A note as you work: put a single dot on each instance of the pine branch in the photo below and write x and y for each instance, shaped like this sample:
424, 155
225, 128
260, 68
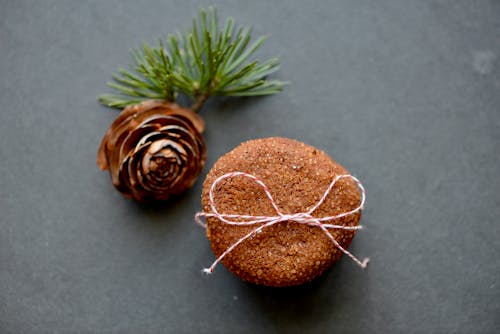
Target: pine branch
201, 62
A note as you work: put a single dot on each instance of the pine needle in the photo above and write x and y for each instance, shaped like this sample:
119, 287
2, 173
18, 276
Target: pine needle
201, 62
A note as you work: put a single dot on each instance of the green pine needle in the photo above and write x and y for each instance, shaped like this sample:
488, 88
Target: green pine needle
202, 62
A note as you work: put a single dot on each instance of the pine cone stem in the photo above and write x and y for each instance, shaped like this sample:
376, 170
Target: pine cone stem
198, 102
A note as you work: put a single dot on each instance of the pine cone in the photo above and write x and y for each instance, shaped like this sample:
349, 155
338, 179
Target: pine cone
153, 150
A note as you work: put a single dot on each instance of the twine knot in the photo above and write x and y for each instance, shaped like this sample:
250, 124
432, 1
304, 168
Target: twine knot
300, 217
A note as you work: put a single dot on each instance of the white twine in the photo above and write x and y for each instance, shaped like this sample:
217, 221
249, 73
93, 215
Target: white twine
301, 217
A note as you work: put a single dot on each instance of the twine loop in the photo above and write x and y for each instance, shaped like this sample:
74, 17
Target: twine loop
266, 221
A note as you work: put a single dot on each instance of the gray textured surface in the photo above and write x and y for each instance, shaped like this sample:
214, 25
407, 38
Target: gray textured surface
404, 94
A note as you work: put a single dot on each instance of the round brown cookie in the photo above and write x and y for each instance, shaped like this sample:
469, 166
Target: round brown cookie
297, 176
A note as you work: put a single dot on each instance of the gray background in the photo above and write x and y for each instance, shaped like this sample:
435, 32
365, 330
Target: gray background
405, 94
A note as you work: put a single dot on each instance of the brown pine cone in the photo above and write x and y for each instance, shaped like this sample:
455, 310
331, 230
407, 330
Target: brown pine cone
153, 150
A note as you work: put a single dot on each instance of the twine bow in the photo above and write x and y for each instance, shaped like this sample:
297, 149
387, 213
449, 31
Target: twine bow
301, 217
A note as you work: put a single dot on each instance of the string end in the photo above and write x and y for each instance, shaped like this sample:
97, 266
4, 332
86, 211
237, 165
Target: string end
207, 271
198, 220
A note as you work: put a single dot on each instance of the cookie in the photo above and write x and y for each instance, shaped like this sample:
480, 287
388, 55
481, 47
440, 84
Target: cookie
296, 175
